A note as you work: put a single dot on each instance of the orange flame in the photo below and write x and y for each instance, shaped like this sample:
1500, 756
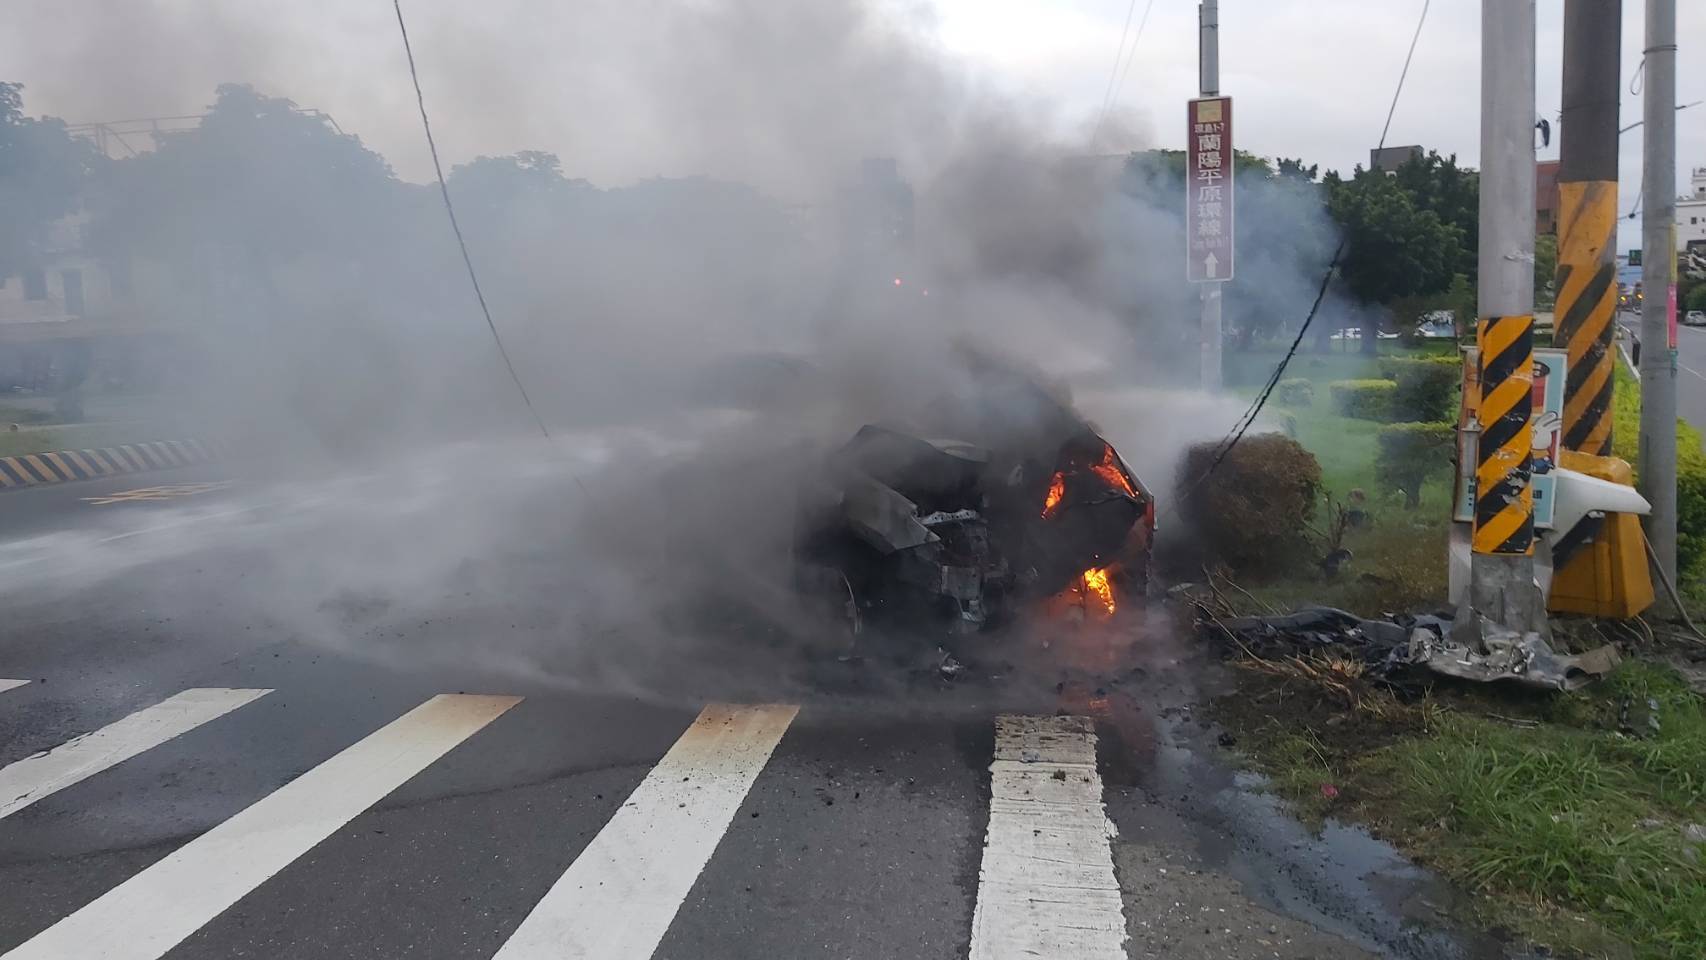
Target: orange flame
1110, 472
1096, 584
1056, 492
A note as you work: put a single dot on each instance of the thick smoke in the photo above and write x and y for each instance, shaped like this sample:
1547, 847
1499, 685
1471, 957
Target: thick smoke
845, 219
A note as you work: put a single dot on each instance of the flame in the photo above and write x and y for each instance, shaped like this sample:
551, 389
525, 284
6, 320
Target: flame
1096, 584
1110, 472
1056, 492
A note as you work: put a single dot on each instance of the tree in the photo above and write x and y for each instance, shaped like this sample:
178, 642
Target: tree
1453, 193
1293, 169
43, 171
258, 183
1393, 249
1696, 299
1545, 270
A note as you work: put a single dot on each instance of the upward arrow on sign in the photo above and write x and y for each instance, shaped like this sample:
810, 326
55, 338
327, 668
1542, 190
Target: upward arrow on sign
1211, 263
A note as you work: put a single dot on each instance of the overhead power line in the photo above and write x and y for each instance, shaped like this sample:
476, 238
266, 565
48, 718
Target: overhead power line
1131, 54
1116, 79
450, 210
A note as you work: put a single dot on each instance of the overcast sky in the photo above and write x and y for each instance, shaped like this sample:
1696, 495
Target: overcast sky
594, 80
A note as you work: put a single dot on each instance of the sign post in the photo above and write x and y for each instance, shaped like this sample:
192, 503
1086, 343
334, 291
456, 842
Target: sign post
1208, 190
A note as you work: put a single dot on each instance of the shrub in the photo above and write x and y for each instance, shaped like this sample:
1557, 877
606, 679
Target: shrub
1428, 388
1411, 453
1690, 503
1364, 399
1296, 392
1253, 512
1690, 474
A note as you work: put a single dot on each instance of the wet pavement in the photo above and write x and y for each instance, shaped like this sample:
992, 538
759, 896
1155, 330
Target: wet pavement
865, 832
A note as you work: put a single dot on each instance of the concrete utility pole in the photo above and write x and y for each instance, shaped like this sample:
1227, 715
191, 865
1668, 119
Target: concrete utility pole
1208, 70
1587, 219
1657, 467
1502, 587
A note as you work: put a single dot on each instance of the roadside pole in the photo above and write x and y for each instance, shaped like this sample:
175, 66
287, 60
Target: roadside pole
1502, 588
1657, 467
1586, 281
1208, 69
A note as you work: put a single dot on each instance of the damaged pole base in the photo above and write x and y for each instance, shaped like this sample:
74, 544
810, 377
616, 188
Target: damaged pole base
1502, 599
1501, 631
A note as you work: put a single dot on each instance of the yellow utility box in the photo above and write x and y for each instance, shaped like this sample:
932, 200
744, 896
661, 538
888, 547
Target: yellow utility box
1607, 577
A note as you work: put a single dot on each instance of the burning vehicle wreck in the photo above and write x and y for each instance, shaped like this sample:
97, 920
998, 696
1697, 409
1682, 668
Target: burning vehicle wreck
899, 527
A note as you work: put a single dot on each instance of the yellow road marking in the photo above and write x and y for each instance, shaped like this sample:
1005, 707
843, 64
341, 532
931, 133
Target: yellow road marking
165, 491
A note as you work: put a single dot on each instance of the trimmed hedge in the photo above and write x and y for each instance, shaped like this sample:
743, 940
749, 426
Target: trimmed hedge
1429, 388
1296, 392
1254, 511
1364, 399
1411, 453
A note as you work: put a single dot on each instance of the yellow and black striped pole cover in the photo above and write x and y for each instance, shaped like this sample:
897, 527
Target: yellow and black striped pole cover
1587, 301
1504, 505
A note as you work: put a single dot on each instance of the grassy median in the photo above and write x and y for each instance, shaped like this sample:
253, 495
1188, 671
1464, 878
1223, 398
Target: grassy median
1580, 818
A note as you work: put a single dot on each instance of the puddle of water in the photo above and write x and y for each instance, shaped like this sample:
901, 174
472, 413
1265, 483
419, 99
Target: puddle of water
1341, 880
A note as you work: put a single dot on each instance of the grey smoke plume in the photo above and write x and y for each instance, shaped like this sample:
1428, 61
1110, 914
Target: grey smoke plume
686, 337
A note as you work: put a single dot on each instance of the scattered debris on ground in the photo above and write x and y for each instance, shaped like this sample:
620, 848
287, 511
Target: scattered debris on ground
1391, 649
1571, 808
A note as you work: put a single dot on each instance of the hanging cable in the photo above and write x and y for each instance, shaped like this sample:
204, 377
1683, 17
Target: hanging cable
444, 191
1113, 75
1254, 410
1131, 54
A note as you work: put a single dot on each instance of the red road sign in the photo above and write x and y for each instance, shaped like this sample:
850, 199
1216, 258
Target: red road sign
1208, 190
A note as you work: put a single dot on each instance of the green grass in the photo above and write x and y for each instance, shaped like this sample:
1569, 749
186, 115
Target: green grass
1571, 818
1251, 368
72, 437
1402, 550
1583, 817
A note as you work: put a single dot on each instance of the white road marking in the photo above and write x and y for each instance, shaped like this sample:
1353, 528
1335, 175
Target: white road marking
618, 898
153, 911
1046, 888
6, 685
32, 778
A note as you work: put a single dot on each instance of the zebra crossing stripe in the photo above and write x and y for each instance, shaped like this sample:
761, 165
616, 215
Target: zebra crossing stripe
147, 915
1046, 887
618, 898
32, 778
6, 685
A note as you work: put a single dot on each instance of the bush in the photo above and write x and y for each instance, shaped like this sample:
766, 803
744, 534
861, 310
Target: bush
1253, 512
1690, 503
1429, 388
1412, 453
1690, 474
1364, 399
1296, 392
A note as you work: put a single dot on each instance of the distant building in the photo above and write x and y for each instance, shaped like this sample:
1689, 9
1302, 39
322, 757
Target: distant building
1546, 197
1691, 213
62, 284
1389, 159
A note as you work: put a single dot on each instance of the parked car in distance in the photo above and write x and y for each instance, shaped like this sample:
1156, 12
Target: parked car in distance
1694, 318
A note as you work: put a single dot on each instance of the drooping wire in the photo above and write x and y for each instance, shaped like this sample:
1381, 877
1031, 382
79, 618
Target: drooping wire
450, 211
1113, 95
1113, 74
1254, 410
1404, 73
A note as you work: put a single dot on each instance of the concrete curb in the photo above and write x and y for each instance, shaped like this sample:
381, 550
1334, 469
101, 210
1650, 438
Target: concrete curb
61, 466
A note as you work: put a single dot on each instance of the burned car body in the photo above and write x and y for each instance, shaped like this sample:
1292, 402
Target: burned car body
965, 531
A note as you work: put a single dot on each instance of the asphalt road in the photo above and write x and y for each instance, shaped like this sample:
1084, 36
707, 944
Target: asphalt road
1690, 368
366, 717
